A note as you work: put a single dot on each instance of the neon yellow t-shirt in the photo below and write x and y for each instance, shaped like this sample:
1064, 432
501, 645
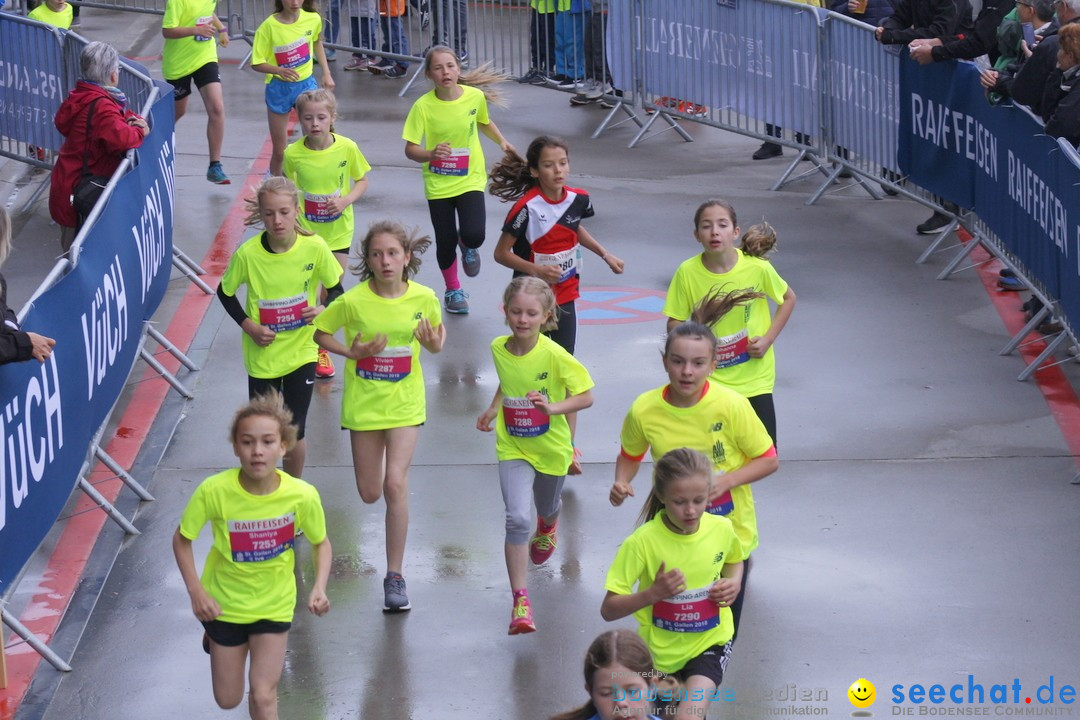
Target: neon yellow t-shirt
432, 121
288, 46
734, 366
279, 287
183, 56
321, 175
61, 19
545, 7
385, 391
680, 628
722, 425
249, 570
523, 432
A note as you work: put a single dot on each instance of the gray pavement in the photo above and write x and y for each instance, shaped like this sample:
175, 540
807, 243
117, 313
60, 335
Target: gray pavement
921, 526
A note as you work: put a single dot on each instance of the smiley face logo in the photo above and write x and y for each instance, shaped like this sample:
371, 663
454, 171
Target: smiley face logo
862, 693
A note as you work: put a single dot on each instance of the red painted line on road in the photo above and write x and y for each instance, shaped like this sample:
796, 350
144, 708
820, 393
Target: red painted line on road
68, 560
1055, 387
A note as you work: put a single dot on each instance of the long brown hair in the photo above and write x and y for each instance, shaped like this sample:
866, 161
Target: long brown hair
511, 177
675, 465
485, 78
309, 5
707, 313
622, 647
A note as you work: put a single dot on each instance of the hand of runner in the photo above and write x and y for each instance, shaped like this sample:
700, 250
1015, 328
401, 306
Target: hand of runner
287, 74
668, 582
549, 273
318, 604
614, 263
261, 334
758, 346
204, 605
483, 423
361, 349
724, 591
619, 492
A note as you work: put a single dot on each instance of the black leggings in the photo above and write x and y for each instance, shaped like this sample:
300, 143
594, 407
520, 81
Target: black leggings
457, 218
295, 389
736, 607
766, 412
566, 334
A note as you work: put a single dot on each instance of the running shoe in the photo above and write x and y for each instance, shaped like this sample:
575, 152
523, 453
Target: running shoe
455, 302
542, 544
470, 261
521, 617
216, 174
394, 598
570, 83
395, 72
325, 368
357, 63
583, 99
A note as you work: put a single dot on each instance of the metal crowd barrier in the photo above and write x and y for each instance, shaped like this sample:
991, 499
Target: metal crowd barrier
107, 291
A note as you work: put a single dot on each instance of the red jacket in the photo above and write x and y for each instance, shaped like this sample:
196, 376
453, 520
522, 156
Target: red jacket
110, 137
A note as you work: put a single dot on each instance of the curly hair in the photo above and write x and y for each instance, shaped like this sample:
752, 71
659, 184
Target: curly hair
271, 405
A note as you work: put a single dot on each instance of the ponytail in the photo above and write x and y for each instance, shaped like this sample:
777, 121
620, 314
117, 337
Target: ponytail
709, 310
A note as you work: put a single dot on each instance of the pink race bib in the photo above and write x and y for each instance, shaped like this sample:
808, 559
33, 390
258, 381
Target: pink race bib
523, 419
317, 208
732, 349
293, 55
690, 611
259, 540
283, 314
722, 505
456, 164
393, 365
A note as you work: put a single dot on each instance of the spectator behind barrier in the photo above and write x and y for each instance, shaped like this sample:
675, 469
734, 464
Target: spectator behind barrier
981, 41
1013, 51
113, 130
873, 12
1031, 81
16, 345
1061, 111
914, 19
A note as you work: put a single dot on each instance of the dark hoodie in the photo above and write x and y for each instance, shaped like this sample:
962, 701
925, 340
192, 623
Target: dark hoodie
110, 137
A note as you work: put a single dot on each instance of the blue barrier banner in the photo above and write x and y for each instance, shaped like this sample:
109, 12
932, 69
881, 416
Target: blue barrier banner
863, 80
96, 314
998, 161
32, 82
756, 58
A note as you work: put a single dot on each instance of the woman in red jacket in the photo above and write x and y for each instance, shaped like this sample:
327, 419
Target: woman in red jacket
113, 130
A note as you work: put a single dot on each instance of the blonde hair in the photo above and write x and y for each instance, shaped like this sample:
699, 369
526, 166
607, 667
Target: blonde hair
484, 78
534, 286
675, 465
318, 95
279, 186
411, 242
271, 405
758, 240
